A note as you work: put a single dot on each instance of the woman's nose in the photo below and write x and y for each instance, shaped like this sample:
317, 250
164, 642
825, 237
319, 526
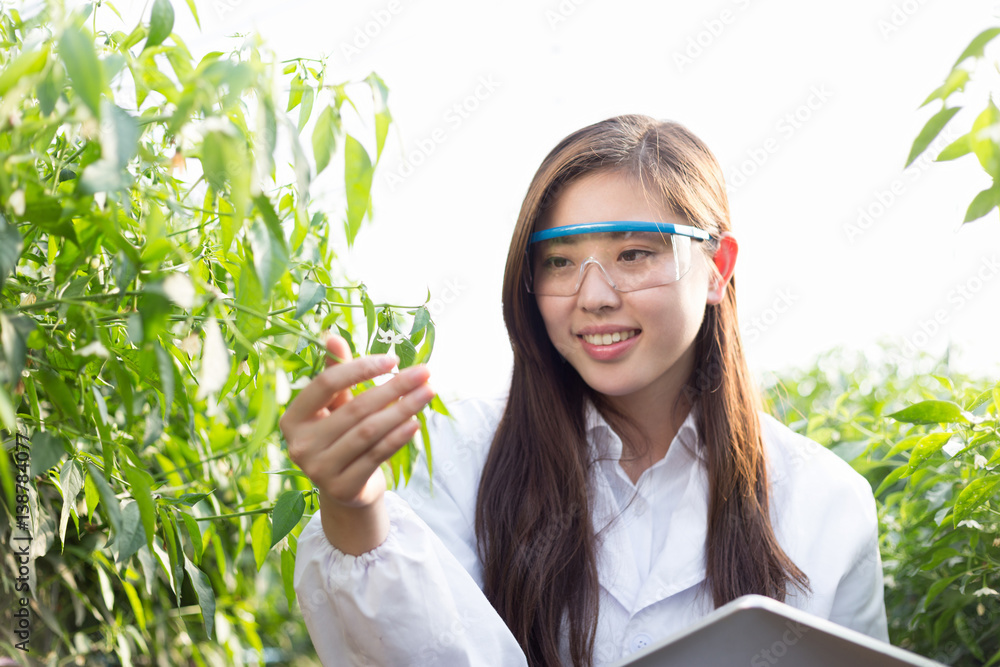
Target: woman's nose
596, 291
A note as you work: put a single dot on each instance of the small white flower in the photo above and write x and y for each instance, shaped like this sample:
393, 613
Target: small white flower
95, 348
971, 523
180, 290
954, 446
17, 201
191, 344
244, 430
985, 590
979, 461
390, 338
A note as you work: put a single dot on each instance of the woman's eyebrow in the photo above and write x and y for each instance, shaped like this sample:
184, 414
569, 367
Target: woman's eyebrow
576, 238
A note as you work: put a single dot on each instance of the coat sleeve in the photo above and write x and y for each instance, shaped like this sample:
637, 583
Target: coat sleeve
414, 599
859, 602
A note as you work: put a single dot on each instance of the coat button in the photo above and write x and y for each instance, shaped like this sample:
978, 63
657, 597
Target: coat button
641, 641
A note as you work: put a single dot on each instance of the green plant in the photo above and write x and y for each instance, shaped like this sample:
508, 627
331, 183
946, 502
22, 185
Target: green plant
982, 139
164, 276
930, 447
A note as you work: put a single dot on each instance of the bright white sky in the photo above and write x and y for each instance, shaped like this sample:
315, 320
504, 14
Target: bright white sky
805, 283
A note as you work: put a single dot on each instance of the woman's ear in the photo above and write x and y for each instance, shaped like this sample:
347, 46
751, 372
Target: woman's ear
725, 263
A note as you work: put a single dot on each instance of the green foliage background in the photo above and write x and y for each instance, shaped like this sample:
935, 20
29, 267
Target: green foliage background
163, 276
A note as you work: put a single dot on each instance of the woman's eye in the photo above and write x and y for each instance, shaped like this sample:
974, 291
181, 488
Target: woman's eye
555, 263
634, 255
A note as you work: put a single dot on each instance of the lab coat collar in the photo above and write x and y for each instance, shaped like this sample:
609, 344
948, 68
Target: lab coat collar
606, 444
681, 564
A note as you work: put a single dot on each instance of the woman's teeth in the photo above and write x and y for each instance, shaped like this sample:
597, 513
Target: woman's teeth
608, 339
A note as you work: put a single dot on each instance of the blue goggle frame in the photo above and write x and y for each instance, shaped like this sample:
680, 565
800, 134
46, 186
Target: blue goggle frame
621, 226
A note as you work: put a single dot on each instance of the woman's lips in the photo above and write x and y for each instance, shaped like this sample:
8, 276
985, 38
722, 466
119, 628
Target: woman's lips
615, 349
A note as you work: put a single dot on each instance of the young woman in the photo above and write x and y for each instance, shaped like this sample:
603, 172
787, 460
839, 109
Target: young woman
626, 486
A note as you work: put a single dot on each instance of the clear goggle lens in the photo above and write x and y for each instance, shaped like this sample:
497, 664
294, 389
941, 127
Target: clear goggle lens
629, 255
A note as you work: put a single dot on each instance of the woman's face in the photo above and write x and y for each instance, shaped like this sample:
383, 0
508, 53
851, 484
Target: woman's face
658, 358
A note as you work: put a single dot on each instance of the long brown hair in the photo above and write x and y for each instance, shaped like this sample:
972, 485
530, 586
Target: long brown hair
533, 513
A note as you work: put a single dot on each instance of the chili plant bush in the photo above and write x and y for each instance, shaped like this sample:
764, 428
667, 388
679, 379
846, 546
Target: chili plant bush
164, 276
929, 445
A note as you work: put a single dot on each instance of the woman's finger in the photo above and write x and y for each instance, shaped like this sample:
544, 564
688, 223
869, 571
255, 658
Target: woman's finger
360, 440
325, 386
338, 352
345, 434
357, 474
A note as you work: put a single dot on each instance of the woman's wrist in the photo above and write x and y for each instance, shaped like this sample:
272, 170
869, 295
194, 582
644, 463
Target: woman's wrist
354, 530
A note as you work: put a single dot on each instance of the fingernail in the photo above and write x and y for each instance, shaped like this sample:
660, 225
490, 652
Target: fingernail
389, 361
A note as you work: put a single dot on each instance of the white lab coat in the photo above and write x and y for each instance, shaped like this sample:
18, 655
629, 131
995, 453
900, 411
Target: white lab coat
416, 599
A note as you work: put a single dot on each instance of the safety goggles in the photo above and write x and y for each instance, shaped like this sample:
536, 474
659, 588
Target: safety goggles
630, 255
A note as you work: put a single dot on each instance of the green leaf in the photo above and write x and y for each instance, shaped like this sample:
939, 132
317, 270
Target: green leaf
983, 138
14, 332
420, 320
249, 295
358, 175
978, 45
161, 23
175, 554
216, 155
288, 576
70, 483
197, 21
206, 595
165, 366
931, 412
369, 308
215, 365
266, 419
406, 353
260, 535
270, 218
141, 483
193, 531
47, 450
26, 64
286, 514
8, 418
928, 445
91, 495
935, 589
380, 97
119, 135
930, 130
270, 260
111, 507
133, 534
324, 137
983, 203
956, 81
305, 110
425, 437
424, 354
295, 93
310, 294
438, 406
956, 149
76, 50
902, 446
11, 245
975, 494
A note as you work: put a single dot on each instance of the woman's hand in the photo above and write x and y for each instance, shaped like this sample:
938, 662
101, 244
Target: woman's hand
340, 440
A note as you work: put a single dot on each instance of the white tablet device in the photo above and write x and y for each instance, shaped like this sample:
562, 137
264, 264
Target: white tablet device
757, 631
